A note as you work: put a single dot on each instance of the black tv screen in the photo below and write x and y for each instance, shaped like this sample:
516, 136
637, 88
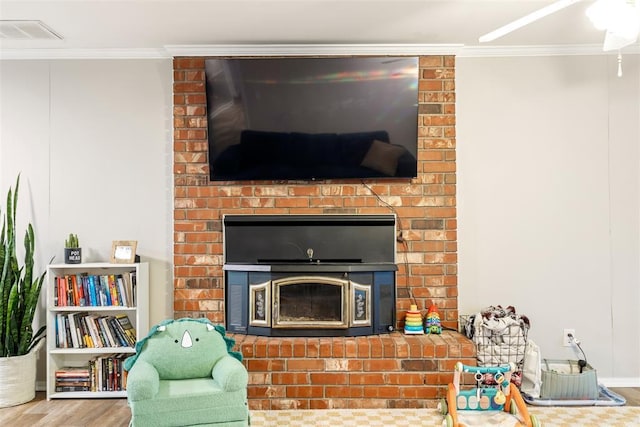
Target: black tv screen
312, 118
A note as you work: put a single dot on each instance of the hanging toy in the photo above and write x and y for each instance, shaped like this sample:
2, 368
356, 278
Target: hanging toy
499, 399
413, 321
432, 322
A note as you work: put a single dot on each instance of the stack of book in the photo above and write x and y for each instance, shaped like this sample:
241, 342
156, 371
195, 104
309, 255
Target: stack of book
73, 379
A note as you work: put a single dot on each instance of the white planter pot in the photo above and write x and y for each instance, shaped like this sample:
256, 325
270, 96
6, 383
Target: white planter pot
18, 378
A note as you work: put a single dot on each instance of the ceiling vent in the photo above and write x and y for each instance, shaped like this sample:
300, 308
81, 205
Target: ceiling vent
26, 30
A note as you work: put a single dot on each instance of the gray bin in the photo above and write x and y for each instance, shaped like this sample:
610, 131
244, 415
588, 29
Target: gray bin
562, 379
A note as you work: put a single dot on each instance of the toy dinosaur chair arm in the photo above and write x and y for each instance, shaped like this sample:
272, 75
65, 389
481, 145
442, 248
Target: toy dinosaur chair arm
230, 374
143, 382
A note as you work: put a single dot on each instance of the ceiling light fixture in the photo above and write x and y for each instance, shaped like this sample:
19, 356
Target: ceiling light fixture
620, 19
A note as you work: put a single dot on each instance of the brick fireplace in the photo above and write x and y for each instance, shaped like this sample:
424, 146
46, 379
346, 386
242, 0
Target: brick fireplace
366, 371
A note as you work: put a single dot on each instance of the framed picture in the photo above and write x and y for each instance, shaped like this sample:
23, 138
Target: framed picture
123, 251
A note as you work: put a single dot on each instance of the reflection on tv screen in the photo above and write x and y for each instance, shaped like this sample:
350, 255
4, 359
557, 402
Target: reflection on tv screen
312, 118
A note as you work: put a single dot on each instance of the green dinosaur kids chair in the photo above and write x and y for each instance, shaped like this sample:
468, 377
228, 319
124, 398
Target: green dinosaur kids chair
184, 373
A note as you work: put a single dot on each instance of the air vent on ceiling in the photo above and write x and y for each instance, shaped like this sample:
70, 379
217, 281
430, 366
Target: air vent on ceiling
26, 30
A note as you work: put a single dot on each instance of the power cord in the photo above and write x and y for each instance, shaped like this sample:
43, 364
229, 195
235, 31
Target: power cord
582, 362
400, 237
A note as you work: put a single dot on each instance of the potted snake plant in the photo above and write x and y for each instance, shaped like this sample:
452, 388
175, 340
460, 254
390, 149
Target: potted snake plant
19, 295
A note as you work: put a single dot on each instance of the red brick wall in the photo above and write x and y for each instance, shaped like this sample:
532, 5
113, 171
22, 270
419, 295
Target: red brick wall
379, 371
426, 206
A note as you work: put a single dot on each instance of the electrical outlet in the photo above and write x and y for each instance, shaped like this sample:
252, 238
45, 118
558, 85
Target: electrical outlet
566, 341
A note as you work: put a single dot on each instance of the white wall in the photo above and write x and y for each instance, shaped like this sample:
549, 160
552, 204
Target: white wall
548, 200
93, 143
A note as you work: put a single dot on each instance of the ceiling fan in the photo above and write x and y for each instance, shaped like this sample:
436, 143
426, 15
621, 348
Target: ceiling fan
620, 19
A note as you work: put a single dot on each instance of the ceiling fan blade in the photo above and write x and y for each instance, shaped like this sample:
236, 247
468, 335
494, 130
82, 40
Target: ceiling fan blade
616, 41
526, 20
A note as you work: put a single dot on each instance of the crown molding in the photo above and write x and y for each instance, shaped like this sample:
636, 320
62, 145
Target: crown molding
63, 53
312, 49
542, 50
170, 51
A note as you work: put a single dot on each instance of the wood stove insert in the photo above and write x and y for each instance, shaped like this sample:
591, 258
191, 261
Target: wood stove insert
310, 275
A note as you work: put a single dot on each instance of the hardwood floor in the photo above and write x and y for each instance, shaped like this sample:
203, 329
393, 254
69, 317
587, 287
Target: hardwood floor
67, 412
631, 394
115, 412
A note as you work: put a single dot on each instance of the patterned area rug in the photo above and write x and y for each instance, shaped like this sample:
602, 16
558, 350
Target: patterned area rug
621, 416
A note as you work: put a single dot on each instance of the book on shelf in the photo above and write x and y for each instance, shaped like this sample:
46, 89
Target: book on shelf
130, 287
103, 291
60, 331
134, 283
92, 378
67, 333
93, 331
72, 379
84, 289
91, 286
111, 342
124, 299
72, 372
69, 291
101, 331
75, 343
118, 332
72, 387
77, 290
83, 329
113, 291
60, 292
127, 327
83, 283
102, 373
108, 373
102, 336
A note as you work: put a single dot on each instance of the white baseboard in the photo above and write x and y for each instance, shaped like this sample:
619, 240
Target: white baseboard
620, 382
607, 382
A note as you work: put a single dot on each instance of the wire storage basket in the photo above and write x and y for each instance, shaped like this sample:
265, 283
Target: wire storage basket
499, 340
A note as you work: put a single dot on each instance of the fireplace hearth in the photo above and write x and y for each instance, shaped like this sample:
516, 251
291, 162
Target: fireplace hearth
310, 275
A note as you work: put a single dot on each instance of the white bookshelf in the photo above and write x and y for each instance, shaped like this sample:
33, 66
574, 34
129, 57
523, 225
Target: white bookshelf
138, 314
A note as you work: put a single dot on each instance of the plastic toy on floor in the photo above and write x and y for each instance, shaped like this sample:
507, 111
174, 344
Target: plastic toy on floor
496, 405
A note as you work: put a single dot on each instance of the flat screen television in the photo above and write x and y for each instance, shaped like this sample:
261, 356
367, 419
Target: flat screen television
312, 118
